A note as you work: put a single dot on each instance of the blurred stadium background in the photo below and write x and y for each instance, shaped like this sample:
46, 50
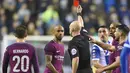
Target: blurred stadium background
41, 15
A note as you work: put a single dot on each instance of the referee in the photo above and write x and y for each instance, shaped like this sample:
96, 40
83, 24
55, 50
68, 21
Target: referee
78, 47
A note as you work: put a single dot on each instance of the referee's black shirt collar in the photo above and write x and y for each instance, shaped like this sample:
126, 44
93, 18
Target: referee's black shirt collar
77, 36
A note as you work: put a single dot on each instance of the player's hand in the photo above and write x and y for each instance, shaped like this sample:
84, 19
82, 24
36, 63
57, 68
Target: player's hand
79, 9
91, 39
100, 70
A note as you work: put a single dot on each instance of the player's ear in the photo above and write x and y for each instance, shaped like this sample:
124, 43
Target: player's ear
26, 33
53, 32
122, 33
15, 35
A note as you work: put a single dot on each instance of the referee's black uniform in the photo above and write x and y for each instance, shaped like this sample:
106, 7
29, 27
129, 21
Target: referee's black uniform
79, 47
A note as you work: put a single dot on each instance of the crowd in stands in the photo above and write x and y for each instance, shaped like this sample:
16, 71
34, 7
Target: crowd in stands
41, 15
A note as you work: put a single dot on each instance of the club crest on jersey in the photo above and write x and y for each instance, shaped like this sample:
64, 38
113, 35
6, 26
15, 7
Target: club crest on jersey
119, 47
73, 51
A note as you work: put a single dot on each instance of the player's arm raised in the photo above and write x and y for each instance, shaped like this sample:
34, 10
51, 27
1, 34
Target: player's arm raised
49, 64
80, 19
81, 22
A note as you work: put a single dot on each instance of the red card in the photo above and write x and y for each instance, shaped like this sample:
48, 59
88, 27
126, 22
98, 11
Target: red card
76, 2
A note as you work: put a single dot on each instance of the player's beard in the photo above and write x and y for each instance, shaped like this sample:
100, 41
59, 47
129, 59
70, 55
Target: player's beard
59, 38
112, 35
104, 41
117, 38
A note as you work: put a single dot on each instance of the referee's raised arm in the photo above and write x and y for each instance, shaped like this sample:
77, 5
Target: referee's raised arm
78, 47
79, 13
83, 31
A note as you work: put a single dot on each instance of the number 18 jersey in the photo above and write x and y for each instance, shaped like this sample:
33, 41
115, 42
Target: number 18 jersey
20, 57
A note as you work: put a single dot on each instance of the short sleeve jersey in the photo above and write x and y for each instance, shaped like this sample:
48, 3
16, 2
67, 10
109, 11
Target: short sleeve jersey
56, 50
99, 54
79, 47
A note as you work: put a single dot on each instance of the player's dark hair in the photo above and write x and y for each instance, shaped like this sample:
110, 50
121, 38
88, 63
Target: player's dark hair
116, 23
123, 28
21, 31
103, 26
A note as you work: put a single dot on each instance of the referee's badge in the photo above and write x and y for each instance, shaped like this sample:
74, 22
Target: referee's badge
73, 51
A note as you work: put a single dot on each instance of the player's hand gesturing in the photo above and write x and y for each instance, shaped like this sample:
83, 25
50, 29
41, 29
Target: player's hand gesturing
79, 9
91, 39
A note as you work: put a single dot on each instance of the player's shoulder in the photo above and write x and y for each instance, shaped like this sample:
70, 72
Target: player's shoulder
95, 46
75, 40
78, 38
11, 45
84, 33
50, 43
30, 45
25, 44
83, 30
120, 46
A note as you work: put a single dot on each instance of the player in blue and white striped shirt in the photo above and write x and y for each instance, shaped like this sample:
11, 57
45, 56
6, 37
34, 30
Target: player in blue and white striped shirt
100, 56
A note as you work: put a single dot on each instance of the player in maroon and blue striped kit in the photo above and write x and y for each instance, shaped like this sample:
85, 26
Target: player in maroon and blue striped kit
20, 55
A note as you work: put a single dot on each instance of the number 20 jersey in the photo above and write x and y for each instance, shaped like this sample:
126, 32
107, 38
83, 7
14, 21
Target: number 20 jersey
20, 57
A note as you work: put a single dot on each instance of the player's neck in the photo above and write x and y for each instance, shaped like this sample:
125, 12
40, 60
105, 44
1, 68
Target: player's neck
122, 39
58, 41
20, 40
113, 37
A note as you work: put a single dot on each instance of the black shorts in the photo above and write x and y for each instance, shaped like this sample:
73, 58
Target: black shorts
87, 70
